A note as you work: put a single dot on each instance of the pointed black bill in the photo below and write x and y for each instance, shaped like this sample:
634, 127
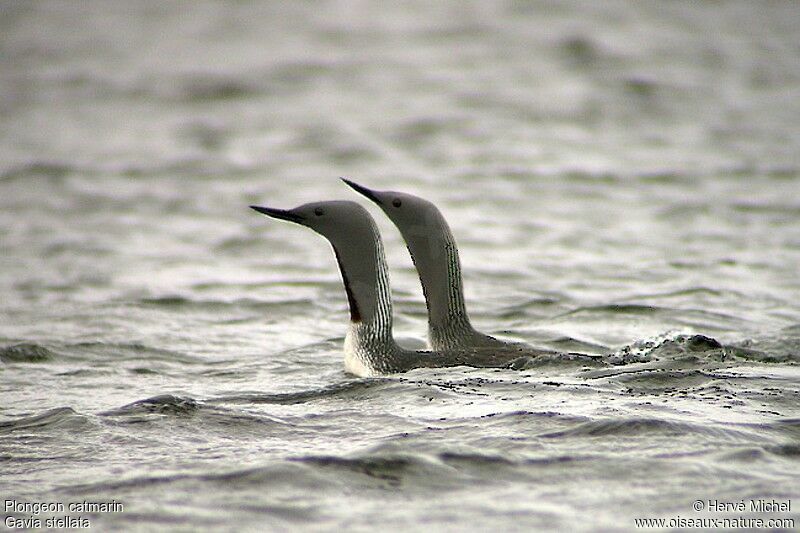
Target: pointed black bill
363, 190
279, 213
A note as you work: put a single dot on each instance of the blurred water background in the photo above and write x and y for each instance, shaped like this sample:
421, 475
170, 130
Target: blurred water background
619, 176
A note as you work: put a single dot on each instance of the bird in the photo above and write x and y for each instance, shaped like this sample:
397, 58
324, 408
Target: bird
435, 254
369, 347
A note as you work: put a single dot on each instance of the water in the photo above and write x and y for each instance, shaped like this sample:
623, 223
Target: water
620, 177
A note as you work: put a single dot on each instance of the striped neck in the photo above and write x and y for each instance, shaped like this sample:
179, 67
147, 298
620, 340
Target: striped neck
435, 254
369, 344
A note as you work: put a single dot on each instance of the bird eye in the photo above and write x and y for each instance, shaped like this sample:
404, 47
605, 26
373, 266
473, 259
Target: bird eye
319, 211
397, 202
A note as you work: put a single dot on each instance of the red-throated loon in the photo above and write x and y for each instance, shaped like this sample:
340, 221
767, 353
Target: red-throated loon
370, 348
434, 252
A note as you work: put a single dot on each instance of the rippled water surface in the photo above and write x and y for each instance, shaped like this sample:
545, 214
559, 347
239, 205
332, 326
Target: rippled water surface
622, 180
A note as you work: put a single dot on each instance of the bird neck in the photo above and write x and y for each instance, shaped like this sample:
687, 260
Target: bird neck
435, 254
366, 281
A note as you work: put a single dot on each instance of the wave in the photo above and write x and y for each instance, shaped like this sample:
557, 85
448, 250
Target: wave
576, 345
643, 426
781, 355
690, 291
479, 460
674, 345
442, 471
175, 301
669, 344
200, 88
626, 309
701, 319
58, 417
791, 451
293, 474
39, 168
781, 348
391, 469
557, 359
169, 412
32, 352
790, 427
26, 353
130, 351
325, 472
340, 390
162, 404
203, 87
51, 172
